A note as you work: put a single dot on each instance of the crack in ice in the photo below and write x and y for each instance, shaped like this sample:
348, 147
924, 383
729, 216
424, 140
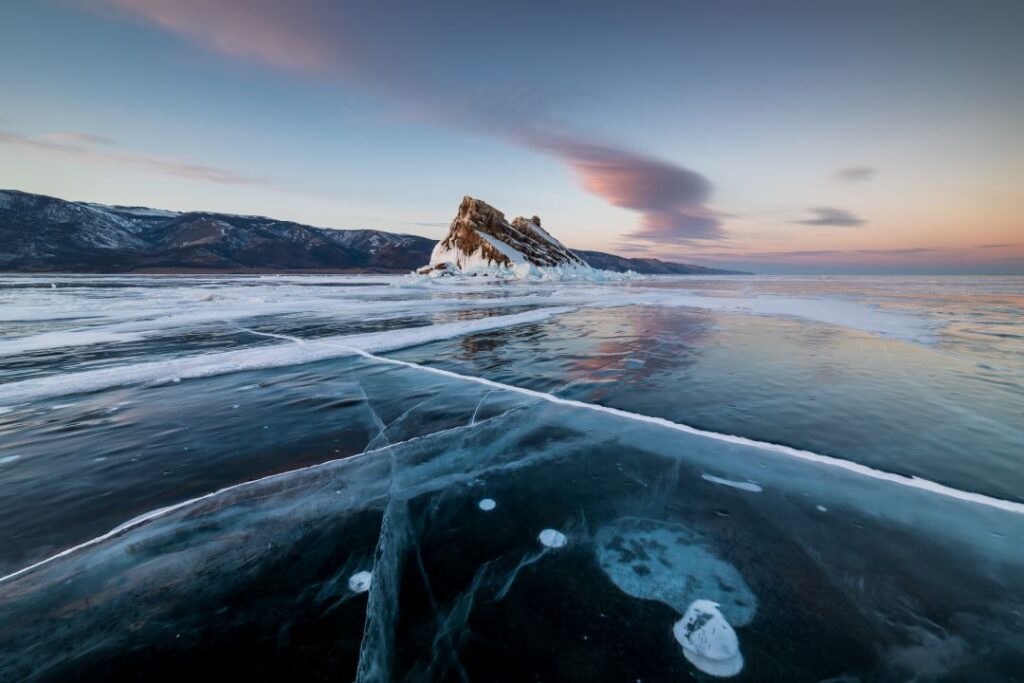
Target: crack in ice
152, 515
917, 483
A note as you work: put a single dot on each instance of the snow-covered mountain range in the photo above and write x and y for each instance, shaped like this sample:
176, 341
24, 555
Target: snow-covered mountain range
40, 233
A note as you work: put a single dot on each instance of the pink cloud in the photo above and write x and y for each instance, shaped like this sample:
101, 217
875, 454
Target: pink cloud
275, 33
670, 198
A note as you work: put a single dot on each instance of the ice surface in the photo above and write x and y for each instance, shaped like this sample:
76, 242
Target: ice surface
310, 495
480, 579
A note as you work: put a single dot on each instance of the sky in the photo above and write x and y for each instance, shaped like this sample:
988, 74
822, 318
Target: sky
775, 137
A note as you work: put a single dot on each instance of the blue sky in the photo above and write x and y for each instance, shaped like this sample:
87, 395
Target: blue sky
777, 137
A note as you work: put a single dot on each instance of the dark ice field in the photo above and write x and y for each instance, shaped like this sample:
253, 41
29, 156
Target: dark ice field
192, 471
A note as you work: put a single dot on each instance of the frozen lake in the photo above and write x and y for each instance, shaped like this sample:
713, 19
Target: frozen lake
397, 479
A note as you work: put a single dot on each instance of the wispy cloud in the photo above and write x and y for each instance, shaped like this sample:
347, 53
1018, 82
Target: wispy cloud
328, 38
670, 198
856, 174
275, 33
77, 138
829, 215
897, 254
96, 149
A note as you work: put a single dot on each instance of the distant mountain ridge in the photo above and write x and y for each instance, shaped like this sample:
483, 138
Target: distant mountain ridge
46, 234
648, 266
40, 233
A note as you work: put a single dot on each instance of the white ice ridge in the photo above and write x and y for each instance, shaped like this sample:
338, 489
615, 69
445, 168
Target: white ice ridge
808, 456
207, 365
147, 322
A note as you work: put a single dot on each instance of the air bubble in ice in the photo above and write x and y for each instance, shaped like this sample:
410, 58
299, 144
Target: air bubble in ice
552, 538
360, 582
487, 504
708, 641
658, 560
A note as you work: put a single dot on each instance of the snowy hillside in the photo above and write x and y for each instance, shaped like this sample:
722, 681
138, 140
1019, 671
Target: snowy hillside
42, 233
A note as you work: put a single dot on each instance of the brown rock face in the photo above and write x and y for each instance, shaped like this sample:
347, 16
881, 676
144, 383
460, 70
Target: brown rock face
522, 235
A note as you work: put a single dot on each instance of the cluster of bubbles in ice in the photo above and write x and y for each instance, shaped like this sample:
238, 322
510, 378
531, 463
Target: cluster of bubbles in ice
657, 560
708, 640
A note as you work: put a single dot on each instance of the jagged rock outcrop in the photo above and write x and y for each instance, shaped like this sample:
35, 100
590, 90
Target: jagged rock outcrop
481, 239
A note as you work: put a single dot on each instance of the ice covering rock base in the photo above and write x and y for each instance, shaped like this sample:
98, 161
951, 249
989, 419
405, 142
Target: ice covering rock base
481, 242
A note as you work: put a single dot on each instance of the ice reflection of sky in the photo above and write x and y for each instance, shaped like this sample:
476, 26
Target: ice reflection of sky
889, 404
